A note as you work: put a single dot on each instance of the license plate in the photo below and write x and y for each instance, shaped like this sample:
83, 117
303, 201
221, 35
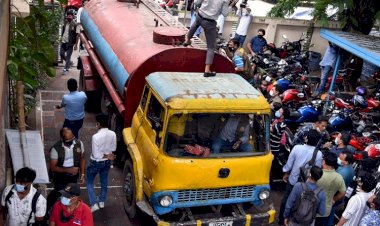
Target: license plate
228, 223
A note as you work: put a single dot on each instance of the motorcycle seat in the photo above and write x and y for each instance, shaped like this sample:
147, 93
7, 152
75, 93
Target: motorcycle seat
294, 115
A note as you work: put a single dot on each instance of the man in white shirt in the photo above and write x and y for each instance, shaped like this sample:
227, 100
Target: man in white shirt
357, 205
103, 144
17, 199
245, 20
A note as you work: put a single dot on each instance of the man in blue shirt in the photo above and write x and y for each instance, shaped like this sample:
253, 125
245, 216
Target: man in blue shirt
372, 215
315, 174
74, 107
327, 64
257, 43
299, 156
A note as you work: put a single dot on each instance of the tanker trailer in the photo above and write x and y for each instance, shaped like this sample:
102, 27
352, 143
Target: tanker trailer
171, 116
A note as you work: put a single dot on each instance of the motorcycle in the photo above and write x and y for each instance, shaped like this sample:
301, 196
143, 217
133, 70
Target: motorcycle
306, 113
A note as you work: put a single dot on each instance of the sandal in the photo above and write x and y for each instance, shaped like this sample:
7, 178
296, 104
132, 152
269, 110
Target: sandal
209, 74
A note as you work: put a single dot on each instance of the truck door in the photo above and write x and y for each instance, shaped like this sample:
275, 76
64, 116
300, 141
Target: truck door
150, 135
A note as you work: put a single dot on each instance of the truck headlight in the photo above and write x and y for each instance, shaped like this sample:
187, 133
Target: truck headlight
264, 194
166, 200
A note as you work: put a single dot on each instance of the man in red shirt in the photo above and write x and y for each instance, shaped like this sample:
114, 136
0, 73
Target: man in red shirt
71, 210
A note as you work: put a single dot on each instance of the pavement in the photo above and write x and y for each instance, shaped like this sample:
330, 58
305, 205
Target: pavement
50, 120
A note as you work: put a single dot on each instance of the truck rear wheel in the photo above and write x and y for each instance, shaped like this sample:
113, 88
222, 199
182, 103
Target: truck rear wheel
129, 200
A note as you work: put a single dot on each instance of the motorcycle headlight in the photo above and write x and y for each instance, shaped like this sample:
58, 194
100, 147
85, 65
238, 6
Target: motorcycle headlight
264, 194
300, 95
166, 200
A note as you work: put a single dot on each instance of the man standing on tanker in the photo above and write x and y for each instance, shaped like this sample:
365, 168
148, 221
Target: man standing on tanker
207, 15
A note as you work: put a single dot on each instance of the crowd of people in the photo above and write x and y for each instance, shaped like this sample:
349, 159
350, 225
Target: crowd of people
317, 172
22, 204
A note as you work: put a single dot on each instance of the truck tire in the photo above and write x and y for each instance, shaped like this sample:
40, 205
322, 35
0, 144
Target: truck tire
129, 199
81, 80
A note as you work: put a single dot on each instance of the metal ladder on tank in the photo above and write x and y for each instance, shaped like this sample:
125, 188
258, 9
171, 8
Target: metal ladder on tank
171, 21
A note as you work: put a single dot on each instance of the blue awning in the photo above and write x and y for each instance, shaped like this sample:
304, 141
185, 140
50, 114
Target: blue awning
366, 47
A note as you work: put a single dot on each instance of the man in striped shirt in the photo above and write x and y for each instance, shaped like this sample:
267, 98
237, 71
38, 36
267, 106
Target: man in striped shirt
278, 128
357, 205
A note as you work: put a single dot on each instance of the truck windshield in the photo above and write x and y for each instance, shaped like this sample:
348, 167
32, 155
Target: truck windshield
215, 134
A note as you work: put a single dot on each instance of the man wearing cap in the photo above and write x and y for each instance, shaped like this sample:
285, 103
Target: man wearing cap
71, 210
103, 144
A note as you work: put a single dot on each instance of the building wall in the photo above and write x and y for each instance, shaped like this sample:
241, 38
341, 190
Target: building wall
275, 28
4, 31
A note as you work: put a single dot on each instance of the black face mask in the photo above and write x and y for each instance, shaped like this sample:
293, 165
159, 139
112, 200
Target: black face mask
368, 204
68, 143
231, 48
260, 36
65, 219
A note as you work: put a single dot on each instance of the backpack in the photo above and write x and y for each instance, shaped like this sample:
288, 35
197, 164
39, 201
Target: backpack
305, 208
34, 203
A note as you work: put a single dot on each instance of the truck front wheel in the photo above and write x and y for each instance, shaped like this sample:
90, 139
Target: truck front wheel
129, 200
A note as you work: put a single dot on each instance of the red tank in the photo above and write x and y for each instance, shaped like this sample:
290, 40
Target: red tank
131, 41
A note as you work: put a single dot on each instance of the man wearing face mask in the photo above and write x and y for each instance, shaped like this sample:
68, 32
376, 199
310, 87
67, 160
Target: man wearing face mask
257, 43
358, 203
275, 98
71, 210
277, 129
67, 163
345, 169
17, 201
341, 141
245, 19
372, 215
68, 41
233, 45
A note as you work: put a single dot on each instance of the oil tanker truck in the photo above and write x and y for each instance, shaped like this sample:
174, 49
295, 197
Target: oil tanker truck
197, 148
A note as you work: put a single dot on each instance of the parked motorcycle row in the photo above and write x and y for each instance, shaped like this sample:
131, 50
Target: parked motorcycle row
356, 112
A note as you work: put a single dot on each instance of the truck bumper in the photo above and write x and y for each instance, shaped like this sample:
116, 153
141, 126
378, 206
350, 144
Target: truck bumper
249, 219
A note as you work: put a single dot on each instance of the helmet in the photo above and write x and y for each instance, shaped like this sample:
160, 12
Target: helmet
361, 90
359, 101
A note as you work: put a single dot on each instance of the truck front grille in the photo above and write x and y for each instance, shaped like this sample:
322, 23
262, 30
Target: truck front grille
213, 194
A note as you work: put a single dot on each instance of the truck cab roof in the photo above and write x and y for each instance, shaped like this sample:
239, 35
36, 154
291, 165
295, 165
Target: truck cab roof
182, 90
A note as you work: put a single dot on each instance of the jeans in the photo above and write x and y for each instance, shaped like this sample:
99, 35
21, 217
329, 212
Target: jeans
74, 125
325, 74
241, 39
92, 169
65, 52
288, 190
220, 144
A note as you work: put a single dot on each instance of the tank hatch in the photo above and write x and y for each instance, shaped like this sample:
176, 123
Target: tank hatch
168, 35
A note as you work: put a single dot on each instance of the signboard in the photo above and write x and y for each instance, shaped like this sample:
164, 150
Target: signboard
35, 153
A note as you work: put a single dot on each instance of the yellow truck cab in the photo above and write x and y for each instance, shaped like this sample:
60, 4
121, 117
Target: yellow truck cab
176, 161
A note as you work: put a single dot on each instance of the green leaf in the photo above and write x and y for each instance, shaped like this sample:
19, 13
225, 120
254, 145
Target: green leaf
30, 70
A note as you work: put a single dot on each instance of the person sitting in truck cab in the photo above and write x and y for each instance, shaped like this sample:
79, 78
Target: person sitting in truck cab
234, 134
